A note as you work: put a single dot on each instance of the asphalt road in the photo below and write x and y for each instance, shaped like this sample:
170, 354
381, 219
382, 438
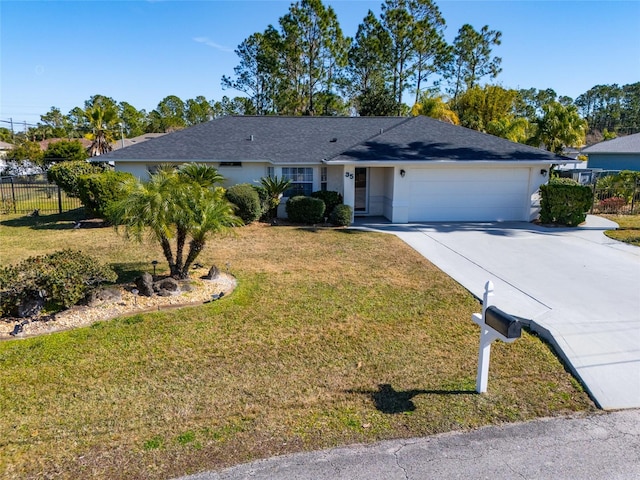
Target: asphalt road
602, 446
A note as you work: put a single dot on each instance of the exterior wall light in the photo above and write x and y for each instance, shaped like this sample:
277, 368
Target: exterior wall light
402, 173
543, 172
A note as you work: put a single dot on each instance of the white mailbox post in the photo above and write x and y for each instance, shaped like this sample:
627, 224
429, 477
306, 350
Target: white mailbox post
494, 325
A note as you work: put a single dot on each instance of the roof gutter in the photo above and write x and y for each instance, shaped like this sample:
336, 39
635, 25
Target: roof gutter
394, 163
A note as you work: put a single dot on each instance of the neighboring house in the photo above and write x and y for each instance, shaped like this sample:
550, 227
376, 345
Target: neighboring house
621, 153
4, 149
127, 142
405, 169
44, 144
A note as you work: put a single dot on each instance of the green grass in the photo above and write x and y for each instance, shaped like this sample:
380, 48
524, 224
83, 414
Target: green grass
629, 231
332, 337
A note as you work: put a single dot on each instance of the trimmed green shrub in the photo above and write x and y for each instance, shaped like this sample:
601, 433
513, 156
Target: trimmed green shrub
247, 201
341, 215
66, 174
97, 190
265, 203
330, 199
303, 209
565, 202
61, 279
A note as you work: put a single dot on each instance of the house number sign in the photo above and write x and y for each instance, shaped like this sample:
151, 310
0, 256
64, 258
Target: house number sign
349, 175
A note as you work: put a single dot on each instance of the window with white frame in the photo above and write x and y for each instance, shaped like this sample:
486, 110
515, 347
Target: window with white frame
271, 172
301, 180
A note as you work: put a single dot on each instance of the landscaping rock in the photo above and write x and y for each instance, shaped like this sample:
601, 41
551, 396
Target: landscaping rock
167, 287
144, 284
213, 274
102, 296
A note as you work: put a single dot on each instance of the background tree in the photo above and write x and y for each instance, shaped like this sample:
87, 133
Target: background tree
432, 53
257, 73
78, 123
378, 102
168, 116
64, 151
6, 135
478, 106
630, 115
232, 106
102, 117
198, 110
57, 122
529, 102
516, 129
472, 57
559, 127
434, 106
369, 55
398, 23
185, 204
25, 150
611, 107
315, 51
134, 121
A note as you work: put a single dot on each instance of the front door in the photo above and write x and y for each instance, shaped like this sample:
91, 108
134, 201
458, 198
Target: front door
361, 193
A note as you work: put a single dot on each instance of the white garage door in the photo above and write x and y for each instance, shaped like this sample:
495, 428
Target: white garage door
480, 194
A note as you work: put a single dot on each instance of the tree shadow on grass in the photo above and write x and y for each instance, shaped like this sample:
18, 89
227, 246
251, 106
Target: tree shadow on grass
387, 400
352, 231
55, 221
333, 228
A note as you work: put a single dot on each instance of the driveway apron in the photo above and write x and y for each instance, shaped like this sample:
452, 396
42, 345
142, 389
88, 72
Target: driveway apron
577, 288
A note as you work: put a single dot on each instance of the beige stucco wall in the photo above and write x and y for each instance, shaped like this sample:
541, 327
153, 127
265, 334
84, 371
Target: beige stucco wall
247, 173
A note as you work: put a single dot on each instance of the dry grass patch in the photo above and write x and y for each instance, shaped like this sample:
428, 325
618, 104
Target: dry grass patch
332, 337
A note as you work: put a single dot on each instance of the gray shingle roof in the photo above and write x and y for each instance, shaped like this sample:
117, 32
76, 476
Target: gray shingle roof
300, 140
627, 144
424, 138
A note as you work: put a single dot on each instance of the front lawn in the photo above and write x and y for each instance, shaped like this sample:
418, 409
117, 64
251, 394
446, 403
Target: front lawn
332, 337
629, 231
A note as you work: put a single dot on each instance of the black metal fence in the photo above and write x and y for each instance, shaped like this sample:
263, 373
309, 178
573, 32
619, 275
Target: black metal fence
614, 191
606, 200
28, 193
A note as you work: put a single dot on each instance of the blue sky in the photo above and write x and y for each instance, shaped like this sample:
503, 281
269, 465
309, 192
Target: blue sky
60, 53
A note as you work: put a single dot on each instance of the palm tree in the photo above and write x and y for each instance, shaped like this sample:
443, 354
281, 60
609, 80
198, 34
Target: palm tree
103, 121
559, 127
274, 187
512, 128
180, 204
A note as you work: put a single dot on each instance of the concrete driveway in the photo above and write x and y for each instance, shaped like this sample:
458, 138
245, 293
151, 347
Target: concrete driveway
579, 289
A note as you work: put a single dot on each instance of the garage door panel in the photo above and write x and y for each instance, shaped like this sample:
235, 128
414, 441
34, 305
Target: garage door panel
467, 194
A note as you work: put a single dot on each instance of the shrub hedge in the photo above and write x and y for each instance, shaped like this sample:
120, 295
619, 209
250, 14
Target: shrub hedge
66, 174
341, 215
61, 279
265, 204
330, 198
303, 209
565, 202
97, 190
247, 201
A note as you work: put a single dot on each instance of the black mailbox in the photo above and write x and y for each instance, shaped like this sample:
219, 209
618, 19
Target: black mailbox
502, 322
